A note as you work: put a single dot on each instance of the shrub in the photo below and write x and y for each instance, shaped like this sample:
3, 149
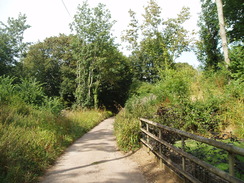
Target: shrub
53, 105
30, 91
174, 85
141, 106
6, 88
127, 131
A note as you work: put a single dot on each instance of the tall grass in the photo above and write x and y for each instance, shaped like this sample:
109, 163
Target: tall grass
29, 143
33, 132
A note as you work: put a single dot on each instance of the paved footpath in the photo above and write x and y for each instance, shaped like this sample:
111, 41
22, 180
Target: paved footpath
94, 159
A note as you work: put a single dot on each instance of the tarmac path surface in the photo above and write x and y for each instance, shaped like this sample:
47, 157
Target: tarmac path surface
94, 158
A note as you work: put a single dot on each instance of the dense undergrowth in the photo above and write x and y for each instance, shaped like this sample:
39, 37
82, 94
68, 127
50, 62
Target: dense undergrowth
204, 103
34, 131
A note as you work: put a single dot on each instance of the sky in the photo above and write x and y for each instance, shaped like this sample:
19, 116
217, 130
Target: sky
51, 17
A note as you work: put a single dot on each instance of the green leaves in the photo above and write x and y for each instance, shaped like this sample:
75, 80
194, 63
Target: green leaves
237, 62
30, 91
27, 90
176, 37
155, 43
52, 63
101, 69
234, 15
6, 88
152, 19
131, 35
92, 24
208, 48
93, 28
12, 47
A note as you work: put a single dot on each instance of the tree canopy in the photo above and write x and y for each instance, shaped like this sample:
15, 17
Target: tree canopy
87, 68
12, 47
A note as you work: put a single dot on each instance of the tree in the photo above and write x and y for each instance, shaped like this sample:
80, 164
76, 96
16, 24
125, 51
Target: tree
51, 62
131, 35
115, 80
93, 28
234, 17
208, 48
222, 31
152, 56
152, 19
156, 43
175, 35
12, 46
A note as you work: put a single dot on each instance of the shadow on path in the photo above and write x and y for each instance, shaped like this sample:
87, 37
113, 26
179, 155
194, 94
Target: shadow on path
91, 164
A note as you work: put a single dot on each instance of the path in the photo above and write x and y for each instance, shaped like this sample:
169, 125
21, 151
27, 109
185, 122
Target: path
94, 159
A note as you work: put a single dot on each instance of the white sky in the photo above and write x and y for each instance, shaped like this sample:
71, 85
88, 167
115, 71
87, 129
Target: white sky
49, 17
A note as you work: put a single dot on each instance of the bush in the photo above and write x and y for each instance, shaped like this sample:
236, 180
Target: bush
174, 85
141, 106
30, 91
6, 88
53, 105
127, 131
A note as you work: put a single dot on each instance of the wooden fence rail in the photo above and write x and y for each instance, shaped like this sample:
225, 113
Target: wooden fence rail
160, 139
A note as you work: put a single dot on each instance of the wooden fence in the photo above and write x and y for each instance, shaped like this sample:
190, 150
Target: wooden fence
162, 141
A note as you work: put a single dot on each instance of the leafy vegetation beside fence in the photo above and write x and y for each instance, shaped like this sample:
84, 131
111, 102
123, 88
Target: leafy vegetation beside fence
204, 103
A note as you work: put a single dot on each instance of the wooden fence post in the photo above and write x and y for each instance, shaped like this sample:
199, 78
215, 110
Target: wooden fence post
147, 128
183, 148
231, 163
160, 149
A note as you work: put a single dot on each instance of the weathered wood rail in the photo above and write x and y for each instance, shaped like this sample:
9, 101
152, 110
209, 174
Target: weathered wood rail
160, 139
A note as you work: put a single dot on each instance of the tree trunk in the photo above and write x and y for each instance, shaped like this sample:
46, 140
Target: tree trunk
95, 93
222, 30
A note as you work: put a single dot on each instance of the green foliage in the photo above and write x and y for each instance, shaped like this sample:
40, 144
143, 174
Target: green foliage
30, 143
12, 47
30, 91
155, 43
141, 106
103, 75
53, 105
235, 90
176, 37
174, 84
51, 62
234, 12
152, 56
127, 131
139, 88
201, 103
6, 88
237, 62
208, 48
93, 28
